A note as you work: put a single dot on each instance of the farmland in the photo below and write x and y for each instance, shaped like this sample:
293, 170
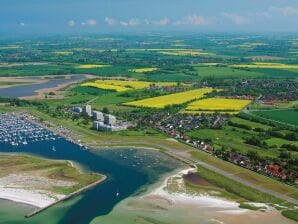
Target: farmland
266, 65
87, 66
217, 105
185, 53
105, 86
283, 115
122, 85
171, 99
143, 70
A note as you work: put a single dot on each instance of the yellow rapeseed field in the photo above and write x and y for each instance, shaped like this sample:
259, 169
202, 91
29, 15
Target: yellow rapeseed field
135, 84
218, 104
142, 70
171, 99
92, 66
266, 65
123, 85
105, 86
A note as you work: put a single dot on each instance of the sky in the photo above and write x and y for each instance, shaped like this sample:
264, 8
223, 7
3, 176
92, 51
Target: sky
102, 16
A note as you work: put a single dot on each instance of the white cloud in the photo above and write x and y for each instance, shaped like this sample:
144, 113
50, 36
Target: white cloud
286, 11
235, 18
110, 21
193, 20
162, 22
89, 22
22, 24
71, 23
131, 22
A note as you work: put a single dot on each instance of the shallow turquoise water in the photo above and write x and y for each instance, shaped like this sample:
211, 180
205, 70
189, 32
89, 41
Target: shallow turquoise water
129, 172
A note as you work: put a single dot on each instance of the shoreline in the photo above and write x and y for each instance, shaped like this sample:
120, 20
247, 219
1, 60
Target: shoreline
201, 199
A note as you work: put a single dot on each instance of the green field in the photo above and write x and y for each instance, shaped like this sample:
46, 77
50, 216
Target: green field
287, 116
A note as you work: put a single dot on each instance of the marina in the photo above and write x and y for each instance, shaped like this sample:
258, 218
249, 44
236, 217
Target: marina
16, 129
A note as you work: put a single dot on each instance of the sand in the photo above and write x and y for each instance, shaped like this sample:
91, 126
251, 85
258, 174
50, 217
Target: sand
36, 198
160, 206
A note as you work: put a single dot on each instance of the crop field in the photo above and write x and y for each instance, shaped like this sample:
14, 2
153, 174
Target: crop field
217, 104
171, 99
143, 70
211, 70
63, 52
87, 66
105, 86
266, 65
185, 53
287, 116
122, 85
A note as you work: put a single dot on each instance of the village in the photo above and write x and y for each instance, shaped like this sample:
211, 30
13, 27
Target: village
177, 125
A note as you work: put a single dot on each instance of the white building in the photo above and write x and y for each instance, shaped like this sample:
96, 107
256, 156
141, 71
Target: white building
109, 119
98, 116
100, 126
87, 110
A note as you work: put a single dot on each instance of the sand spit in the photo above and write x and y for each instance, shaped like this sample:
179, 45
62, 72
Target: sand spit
203, 200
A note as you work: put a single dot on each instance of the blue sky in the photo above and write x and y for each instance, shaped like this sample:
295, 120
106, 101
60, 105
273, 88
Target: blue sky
85, 16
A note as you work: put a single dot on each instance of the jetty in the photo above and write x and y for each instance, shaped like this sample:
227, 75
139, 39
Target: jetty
39, 210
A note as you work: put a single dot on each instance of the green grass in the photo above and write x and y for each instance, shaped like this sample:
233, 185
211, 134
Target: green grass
89, 90
250, 207
36, 70
291, 214
287, 116
237, 188
250, 123
13, 83
231, 138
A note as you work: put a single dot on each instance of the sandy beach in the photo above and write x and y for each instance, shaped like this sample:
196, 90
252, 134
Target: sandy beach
159, 205
38, 199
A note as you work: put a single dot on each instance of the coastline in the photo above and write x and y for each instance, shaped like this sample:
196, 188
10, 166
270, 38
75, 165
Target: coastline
199, 199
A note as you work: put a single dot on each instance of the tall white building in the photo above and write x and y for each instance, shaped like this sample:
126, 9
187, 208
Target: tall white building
87, 110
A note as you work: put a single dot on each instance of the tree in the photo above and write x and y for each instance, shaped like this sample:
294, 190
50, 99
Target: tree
105, 110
